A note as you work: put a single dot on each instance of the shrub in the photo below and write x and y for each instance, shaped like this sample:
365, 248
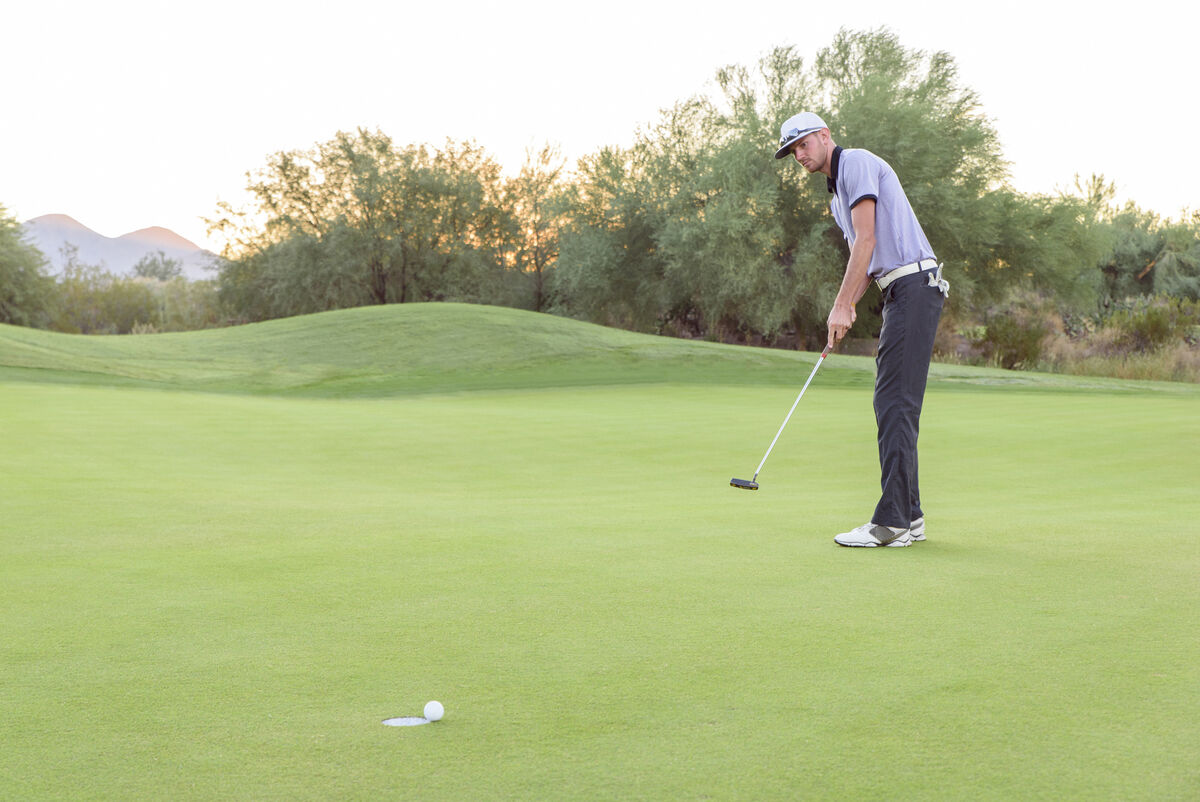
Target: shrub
1012, 335
1149, 323
94, 301
186, 305
1100, 357
1012, 342
91, 300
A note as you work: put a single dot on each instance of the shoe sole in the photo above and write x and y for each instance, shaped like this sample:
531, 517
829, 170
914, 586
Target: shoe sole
900, 542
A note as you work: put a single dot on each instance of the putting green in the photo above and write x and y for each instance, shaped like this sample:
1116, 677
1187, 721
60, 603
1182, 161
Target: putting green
223, 595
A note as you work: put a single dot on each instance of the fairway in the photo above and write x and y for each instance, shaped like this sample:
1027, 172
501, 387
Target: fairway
226, 557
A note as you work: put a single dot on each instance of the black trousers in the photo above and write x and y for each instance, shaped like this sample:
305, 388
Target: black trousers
911, 310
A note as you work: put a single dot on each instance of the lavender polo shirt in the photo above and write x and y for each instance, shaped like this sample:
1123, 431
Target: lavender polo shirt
859, 175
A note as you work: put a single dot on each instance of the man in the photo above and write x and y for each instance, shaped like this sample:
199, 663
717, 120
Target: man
888, 246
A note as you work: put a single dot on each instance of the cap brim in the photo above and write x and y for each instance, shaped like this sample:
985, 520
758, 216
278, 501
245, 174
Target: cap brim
787, 146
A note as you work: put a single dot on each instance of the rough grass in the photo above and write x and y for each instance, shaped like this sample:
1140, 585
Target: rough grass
216, 596
1039, 340
1178, 362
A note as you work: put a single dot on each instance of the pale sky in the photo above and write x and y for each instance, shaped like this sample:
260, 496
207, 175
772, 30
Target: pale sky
129, 114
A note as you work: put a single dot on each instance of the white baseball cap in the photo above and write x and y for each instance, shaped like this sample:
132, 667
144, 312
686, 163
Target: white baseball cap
795, 128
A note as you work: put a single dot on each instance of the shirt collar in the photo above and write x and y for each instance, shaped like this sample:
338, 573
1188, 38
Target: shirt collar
831, 181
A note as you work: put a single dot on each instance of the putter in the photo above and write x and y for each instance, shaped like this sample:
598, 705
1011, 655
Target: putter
752, 484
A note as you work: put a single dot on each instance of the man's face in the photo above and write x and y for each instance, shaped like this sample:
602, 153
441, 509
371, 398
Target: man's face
811, 151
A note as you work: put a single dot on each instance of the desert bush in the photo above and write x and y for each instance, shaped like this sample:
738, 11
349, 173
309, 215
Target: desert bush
186, 305
1149, 323
1140, 337
1102, 355
93, 301
1012, 342
1013, 333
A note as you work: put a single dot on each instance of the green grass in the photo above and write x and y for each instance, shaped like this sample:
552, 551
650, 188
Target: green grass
382, 351
226, 556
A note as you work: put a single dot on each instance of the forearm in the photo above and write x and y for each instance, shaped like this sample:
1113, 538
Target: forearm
856, 281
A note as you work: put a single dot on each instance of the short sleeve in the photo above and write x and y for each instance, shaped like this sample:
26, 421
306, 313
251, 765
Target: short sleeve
857, 172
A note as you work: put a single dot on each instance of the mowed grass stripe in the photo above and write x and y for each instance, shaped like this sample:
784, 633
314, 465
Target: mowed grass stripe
222, 596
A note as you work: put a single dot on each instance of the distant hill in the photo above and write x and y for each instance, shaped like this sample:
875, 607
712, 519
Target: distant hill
118, 255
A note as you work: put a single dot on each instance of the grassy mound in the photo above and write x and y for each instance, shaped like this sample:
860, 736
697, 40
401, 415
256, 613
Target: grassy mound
419, 348
385, 350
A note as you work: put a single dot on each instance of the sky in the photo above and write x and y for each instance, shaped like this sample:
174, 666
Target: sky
130, 114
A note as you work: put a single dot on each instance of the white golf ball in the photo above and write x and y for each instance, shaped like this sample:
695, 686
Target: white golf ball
434, 711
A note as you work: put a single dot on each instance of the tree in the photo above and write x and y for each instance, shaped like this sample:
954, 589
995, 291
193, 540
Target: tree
356, 221
1135, 243
609, 268
26, 290
535, 204
1177, 265
158, 266
1141, 254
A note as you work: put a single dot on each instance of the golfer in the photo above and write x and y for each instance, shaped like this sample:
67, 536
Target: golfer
887, 246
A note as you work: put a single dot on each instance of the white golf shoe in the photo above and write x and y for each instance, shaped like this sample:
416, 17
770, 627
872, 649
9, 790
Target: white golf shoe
917, 529
872, 535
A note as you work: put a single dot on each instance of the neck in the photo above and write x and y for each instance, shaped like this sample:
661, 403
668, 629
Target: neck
827, 167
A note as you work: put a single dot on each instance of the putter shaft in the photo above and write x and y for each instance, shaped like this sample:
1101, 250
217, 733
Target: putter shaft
816, 367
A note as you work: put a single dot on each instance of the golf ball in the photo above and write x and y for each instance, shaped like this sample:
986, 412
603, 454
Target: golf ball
434, 711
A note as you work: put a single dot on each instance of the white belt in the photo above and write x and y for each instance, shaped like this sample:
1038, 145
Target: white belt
905, 270
935, 278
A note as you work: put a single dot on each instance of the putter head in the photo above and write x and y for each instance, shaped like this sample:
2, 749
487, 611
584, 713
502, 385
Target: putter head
744, 484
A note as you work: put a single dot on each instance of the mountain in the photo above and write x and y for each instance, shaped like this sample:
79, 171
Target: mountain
118, 255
